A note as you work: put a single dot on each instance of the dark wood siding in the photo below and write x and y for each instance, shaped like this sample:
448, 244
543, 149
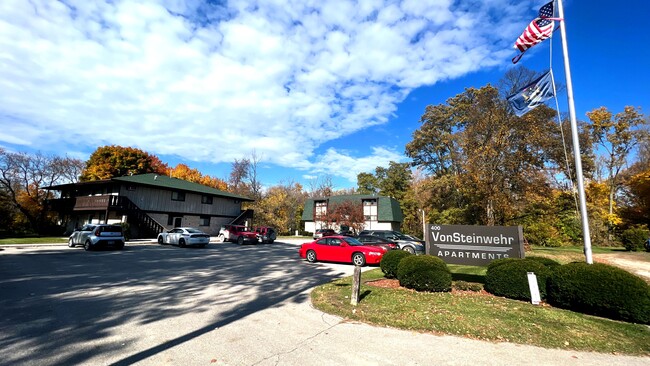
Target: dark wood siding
157, 200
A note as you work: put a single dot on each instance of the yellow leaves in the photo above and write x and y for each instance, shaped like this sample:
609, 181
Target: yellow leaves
182, 171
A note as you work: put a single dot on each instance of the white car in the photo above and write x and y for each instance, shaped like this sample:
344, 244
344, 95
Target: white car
184, 236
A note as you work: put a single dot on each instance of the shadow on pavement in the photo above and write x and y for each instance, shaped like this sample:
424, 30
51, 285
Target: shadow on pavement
54, 302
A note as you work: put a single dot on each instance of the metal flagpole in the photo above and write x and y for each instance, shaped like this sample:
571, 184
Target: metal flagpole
574, 135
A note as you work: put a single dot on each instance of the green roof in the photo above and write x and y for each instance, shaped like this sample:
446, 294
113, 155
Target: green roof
163, 181
388, 209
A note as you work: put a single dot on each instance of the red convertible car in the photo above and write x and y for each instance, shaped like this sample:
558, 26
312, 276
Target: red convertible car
341, 249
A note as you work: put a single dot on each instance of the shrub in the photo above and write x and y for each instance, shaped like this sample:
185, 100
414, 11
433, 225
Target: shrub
390, 260
467, 286
424, 273
498, 262
634, 238
548, 262
126, 230
510, 278
601, 290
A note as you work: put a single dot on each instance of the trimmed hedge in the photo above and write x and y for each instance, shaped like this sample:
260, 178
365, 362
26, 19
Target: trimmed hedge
424, 273
498, 262
601, 290
390, 260
548, 262
509, 278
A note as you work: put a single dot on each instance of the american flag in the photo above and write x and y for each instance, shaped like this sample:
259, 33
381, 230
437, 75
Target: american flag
538, 30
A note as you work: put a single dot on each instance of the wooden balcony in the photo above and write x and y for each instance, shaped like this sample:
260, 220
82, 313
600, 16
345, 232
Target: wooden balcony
88, 203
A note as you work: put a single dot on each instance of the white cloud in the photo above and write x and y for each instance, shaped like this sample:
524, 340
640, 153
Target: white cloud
158, 75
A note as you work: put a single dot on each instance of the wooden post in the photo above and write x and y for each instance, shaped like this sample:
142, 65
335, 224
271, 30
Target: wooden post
356, 285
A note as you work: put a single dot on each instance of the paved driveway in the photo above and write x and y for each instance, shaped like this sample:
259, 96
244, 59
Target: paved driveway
222, 305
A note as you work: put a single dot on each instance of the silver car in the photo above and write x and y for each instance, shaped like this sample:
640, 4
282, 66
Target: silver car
98, 236
184, 236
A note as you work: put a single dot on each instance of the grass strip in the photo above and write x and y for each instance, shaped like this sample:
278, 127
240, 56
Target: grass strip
481, 316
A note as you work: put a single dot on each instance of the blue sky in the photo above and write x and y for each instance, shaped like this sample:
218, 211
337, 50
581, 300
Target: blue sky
314, 88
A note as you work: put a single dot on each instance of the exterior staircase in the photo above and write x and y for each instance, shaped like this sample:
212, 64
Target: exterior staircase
243, 216
147, 227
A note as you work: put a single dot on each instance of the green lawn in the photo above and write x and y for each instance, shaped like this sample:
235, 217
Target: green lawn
34, 240
479, 315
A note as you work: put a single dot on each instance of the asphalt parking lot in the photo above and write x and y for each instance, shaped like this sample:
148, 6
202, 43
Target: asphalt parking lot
221, 305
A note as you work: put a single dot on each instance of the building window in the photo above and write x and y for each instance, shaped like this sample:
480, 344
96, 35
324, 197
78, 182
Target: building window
320, 209
206, 200
178, 196
204, 221
370, 210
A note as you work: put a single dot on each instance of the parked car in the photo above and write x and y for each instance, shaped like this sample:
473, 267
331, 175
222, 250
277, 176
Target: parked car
378, 241
184, 236
343, 249
408, 243
239, 234
98, 236
320, 233
265, 234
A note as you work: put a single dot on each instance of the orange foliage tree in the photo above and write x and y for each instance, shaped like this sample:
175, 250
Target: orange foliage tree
182, 171
117, 161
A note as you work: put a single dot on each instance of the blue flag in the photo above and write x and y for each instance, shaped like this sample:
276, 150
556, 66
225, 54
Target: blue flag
532, 95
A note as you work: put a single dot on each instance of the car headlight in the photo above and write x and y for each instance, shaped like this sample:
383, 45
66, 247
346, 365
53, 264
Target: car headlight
374, 253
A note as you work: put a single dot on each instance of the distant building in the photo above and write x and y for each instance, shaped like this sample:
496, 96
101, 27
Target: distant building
380, 212
149, 203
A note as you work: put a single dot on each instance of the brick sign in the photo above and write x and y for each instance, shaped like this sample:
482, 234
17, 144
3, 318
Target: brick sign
474, 245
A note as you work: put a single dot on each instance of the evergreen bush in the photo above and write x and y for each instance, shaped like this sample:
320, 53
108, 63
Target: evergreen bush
424, 273
510, 278
601, 290
390, 260
467, 286
498, 262
634, 238
548, 262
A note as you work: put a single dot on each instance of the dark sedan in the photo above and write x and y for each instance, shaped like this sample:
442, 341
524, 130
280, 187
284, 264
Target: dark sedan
377, 241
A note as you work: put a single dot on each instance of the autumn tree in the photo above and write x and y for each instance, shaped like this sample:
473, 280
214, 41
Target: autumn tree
281, 207
244, 176
321, 186
23, 182
482, 157
345, 213
182, 171
635, 191
116, 161
617, 135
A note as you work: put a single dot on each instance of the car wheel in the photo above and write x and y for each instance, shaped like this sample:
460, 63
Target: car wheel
409, 249
311, 256
271, 241
71, 243
181, 243
221, 238
240, 240
87, 246
160, 240
358, 259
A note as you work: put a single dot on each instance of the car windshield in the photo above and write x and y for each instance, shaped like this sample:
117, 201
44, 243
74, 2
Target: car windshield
353, 241
401, 236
